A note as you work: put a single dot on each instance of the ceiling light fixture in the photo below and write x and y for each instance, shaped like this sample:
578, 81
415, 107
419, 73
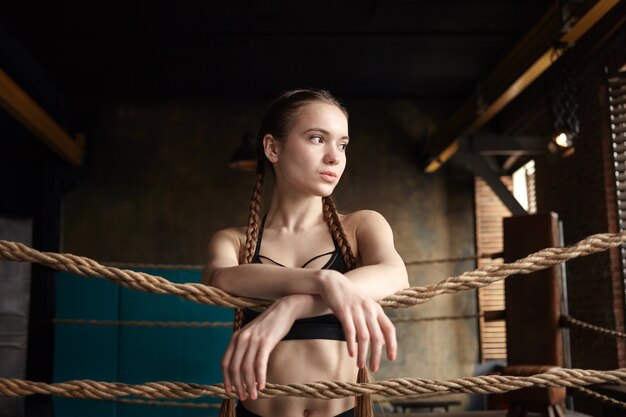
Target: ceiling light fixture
244, 157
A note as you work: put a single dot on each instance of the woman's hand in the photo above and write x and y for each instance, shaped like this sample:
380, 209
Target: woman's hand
363, 319
246, 357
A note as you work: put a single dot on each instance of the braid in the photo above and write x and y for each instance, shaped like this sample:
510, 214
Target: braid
252, 234
245, 257
252, 231
334, 225
362, 403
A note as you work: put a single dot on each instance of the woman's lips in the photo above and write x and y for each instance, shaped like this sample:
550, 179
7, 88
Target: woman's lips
328, 176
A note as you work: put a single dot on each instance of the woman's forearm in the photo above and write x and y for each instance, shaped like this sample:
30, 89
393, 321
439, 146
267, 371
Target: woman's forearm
272, 282
302, 306
266, 281
379, 281
375, 281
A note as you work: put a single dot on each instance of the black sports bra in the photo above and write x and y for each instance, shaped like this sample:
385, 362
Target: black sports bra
326, 326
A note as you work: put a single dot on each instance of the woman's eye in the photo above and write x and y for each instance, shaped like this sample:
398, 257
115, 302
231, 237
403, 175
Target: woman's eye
316, 139
343, 146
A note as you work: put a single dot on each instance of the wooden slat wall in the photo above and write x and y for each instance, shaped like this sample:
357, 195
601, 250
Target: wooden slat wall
529, 169
489, 214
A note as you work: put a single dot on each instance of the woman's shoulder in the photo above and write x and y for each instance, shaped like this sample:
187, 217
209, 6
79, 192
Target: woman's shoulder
235, 236
362, 226
362, 218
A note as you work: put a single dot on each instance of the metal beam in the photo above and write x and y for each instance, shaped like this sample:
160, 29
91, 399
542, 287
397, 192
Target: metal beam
487, 144
21, 106
480, 167
504, 83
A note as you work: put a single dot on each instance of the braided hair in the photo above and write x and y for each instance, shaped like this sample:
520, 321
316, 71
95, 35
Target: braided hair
278, 121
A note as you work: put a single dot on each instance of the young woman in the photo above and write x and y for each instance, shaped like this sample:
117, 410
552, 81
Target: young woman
324, 270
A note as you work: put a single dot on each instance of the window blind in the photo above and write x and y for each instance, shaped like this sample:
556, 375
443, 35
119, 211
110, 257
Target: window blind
617, 111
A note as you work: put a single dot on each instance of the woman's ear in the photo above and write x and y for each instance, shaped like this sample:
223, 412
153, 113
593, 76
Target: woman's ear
271, 147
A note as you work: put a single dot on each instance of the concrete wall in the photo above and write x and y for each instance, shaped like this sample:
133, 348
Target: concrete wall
159, 186
14, 308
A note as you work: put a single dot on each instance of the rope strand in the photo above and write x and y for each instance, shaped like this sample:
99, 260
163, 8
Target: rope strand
211, 324
144, 323
14, 251
591, 393
397, 387
570, 321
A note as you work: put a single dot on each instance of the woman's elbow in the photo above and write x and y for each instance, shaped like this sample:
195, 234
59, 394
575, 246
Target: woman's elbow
211, 278
402, 281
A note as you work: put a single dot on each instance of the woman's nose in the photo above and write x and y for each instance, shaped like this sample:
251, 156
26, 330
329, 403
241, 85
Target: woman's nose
332, 156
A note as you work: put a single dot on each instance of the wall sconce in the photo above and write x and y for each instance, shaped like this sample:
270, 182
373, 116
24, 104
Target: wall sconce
562, 143
244, 157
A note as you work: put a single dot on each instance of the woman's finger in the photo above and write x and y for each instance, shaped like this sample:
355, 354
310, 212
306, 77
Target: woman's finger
389, 332
260, 365
376, 341
234, 367
226, 363
349, 330
362, 338
248, 369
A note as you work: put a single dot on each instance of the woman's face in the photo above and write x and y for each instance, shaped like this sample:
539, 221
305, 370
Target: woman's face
312, 158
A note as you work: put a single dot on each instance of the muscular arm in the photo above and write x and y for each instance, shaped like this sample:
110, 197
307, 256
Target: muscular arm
268, 282
351, 297
383, 272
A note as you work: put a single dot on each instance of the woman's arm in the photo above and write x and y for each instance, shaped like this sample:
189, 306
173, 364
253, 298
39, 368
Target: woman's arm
350, 296
382, 272
262, 281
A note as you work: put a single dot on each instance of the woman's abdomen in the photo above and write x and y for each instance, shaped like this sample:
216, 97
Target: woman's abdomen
301, 361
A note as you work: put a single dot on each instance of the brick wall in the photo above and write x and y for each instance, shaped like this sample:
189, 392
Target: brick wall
581, 188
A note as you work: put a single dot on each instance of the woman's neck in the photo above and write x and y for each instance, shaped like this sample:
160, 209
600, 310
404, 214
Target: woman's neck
294, 213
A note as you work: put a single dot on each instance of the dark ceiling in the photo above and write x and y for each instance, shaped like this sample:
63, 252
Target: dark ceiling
436, 52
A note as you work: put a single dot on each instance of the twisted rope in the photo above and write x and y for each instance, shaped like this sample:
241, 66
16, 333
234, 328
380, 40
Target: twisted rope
571, 321
601, 397
481, 277
488, 274
80, 265
437, 318
457, 259
200, 267
145, 323
167, 403
213, 324
397, 387
146, 265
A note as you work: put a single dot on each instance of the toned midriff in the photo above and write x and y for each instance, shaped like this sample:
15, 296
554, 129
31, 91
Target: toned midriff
300, 361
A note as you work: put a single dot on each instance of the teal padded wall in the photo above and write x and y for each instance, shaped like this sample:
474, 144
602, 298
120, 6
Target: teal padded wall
134, 354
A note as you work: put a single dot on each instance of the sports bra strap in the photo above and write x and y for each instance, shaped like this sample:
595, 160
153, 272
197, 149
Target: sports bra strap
257, 249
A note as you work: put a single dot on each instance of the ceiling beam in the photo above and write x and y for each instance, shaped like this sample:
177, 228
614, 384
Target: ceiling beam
513, 75
479, 166
490, 144
21, 106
